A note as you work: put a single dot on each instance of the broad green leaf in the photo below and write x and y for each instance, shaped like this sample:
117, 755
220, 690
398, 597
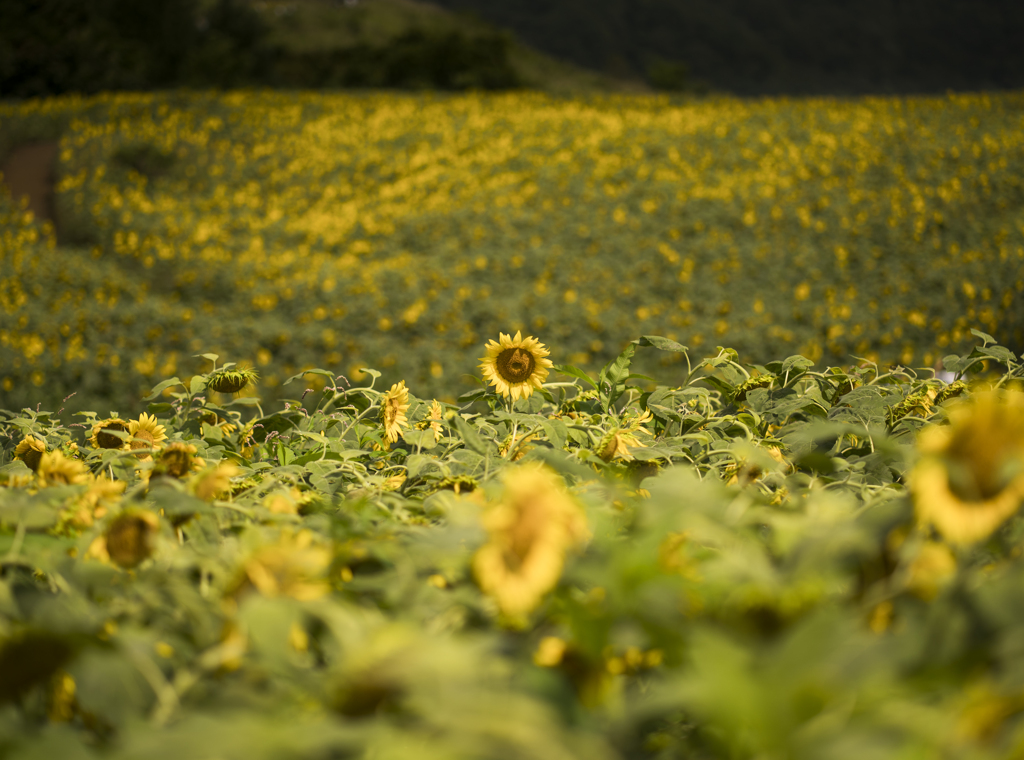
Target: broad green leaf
162, 386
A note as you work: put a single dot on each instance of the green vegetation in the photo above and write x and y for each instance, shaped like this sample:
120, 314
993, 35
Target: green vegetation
756, 560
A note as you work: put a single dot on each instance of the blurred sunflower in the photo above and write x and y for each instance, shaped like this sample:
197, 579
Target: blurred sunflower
30, 451
57, 470
214, 482
435, 419
970, 478
515, 366
147, 433
393, 407
295, 566
531, 527
128, 540
102, 434
178, 460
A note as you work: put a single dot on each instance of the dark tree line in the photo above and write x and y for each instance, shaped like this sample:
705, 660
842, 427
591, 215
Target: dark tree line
49, 47
781, 46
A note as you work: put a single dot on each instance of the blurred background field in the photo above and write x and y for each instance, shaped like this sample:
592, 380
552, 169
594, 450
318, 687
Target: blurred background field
401, 231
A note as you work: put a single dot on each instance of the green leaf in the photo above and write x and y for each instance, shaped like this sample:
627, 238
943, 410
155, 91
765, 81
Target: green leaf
984, 336
316, 371
471, 438
422, 438
197, 384
571, 371
556, 432
161, 387
663, 344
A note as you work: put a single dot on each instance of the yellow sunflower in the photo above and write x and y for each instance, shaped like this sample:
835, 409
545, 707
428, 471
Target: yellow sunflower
970, 478
178, 460
296, 566
30, 451
515, 366
393, 407
435, 419
531, 527
214, 482
102, 438
147, 433
55, 469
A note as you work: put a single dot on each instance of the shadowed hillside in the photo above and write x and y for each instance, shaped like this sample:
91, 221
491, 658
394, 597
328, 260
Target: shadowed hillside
781, 46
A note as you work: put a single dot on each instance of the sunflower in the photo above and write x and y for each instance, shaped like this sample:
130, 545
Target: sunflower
129, 537
30, 451
177, 461
393, 407
102, 437
515, 366
147, 433
215, 481
231, 380
93, 504
55, 469
970, 478
296, 566
435, 419
531, 527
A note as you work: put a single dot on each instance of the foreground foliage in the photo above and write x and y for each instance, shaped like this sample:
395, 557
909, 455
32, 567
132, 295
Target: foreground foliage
292, 230
734, 566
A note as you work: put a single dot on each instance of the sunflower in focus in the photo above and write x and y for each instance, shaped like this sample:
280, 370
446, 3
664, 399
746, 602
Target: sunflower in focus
30, 451
55, 469
229, 380
103, 434
970, 478
393, 407
531, 527
515, 366
147, 433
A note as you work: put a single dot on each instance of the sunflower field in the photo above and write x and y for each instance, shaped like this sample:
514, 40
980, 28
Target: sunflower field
290, 230
757, 561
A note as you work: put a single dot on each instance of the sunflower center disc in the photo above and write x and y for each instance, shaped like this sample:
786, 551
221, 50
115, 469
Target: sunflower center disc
515, 365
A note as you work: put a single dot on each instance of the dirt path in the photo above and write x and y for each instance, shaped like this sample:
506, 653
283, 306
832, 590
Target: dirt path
29, 170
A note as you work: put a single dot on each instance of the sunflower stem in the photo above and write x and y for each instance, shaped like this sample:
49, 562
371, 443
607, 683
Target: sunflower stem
515, 426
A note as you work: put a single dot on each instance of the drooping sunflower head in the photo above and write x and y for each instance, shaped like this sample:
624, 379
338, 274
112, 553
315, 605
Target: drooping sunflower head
103, 434
177, 461
531, 527
55, 469
130, 537
970, 478
393, 407
147, 433
231, 380
30, 451
516, 367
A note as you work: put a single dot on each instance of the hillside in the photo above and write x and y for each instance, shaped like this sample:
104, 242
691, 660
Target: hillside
52, 47
784, 46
